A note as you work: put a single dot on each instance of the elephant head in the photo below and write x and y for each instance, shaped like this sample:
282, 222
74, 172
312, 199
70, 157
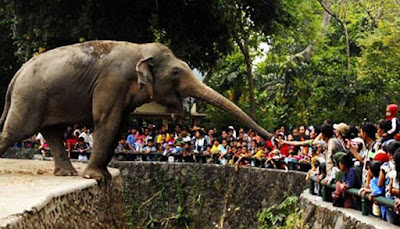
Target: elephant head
169, 80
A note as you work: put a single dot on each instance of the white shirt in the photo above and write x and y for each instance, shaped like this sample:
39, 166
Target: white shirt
40, 137
85, 137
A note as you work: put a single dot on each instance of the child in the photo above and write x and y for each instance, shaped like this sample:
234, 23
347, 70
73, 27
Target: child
122, 146
391, 116
82, 147
351, 179
375, 189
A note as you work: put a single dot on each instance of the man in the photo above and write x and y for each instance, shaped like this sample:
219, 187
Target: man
185, 135
152, 130
84, 134
368, 135
187, 152
230, 128
333, 146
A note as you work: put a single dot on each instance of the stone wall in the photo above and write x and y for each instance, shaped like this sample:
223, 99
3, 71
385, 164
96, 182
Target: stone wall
200, 195
94, 207
18, 153
322, 215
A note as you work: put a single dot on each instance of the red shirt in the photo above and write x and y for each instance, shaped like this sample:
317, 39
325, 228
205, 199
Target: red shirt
284, 150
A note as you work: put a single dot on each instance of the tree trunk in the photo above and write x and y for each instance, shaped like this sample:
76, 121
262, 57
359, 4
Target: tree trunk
244, 48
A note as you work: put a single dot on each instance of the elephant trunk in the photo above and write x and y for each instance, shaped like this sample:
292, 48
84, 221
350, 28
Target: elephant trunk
205, 93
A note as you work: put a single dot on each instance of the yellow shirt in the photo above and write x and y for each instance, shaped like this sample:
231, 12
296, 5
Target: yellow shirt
258, 154
159, 138
214, 149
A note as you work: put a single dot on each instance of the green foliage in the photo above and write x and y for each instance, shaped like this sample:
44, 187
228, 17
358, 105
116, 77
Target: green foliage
290, 88
282, 216
293, 90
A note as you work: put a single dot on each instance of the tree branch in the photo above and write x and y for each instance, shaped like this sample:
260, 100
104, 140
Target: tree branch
343, 24
326, 8
374, 22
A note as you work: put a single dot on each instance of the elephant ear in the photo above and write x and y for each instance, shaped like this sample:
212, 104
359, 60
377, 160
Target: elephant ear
144, 72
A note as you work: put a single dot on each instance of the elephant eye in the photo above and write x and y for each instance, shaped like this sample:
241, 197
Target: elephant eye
176, 71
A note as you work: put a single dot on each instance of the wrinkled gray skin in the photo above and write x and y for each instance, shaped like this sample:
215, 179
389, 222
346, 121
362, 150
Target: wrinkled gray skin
101, 82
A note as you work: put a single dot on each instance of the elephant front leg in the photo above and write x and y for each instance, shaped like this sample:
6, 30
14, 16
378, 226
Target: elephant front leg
54, 137
104, 137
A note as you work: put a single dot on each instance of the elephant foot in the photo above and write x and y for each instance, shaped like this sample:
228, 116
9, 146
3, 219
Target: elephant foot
61, 171
97, 174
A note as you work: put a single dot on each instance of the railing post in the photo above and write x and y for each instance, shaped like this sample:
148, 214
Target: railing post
364, 206
311, 188
324, 193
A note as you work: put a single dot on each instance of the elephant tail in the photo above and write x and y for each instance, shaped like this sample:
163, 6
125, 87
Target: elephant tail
7, 104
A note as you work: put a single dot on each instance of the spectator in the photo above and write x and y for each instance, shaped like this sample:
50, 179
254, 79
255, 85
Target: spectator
223, 151
163, 130
122, 146
368, 135
84, 134
210, 137
187, 153
199, 141
77, 131
149, 149
185, 135
162, 142
333, 146
383, 128
374, 189
393, 214
71, 139
82, 148
351, 179
139, 141
131, 140
391, 116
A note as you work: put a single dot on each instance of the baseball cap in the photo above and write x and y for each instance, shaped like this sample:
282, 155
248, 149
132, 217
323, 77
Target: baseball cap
381, 156
341, 127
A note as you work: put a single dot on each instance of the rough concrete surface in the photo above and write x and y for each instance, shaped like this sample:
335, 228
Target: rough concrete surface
187, 195
32, 197
322, 215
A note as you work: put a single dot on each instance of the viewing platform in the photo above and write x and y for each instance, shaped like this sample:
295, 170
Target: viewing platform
32, 197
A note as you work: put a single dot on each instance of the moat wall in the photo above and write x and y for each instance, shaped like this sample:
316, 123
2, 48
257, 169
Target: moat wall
202, 195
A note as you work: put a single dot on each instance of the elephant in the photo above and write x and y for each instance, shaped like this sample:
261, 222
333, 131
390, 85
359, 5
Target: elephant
100, 82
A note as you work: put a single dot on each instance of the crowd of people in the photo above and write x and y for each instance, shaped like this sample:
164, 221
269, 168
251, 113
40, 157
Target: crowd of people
365, 157
227, 147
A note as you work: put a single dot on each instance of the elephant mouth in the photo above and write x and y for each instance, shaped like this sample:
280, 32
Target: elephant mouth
173, 101
179, 101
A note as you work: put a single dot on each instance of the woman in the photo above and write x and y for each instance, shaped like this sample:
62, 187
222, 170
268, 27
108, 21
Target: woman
199, 141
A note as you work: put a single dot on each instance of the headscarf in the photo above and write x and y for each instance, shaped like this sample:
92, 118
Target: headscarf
393, 109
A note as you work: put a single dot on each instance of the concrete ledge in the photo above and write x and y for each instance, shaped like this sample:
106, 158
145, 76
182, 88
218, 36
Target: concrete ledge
32, 197
320, 214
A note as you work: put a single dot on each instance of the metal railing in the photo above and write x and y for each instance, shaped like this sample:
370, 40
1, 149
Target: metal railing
352, 191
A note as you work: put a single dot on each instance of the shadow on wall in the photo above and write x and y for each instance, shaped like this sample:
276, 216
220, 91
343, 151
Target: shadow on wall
202, 195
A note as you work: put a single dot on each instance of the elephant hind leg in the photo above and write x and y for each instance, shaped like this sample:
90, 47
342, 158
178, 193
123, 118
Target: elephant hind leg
5, 143
20, 123
54, 137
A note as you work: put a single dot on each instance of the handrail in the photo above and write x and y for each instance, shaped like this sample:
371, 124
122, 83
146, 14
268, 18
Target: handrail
352, 191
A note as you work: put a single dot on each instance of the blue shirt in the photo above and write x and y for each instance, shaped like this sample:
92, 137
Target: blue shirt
131, 140
376, 190
352, 179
